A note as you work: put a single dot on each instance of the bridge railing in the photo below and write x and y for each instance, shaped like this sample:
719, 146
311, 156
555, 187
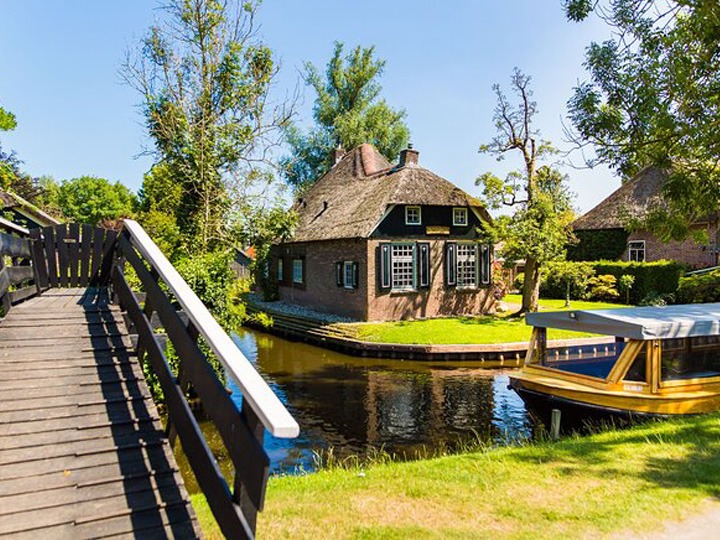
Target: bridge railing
18, 279
241, 429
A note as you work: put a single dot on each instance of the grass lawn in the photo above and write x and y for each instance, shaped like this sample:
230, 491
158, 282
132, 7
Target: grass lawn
618, 482
458, 330
559, 305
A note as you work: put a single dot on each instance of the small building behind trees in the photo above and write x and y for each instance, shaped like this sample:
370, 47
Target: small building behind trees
603, 232
377, 241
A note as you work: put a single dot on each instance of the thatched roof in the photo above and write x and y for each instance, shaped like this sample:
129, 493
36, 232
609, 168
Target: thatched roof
631, 200
9, 200
351, 198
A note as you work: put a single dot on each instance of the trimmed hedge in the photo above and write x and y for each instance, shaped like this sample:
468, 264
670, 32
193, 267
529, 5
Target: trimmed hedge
651, 278
699, 288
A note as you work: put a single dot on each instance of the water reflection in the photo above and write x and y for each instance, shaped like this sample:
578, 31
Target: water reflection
353, 404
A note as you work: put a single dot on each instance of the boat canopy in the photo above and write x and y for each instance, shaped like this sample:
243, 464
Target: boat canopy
661, 322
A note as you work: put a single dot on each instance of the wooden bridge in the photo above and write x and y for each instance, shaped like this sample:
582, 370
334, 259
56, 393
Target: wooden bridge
83, 450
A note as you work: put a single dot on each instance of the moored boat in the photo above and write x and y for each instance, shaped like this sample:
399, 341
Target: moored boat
664, 361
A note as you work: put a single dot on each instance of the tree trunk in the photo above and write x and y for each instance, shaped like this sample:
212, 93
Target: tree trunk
531, 286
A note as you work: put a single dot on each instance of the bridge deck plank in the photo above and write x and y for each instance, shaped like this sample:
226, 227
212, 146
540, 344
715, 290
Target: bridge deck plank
82, 451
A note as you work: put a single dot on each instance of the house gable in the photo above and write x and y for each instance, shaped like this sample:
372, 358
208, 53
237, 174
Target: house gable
436, 221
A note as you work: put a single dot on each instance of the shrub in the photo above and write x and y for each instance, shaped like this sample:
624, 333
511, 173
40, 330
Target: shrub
699, 288
651, 278
603, 288
566, 279
592, 280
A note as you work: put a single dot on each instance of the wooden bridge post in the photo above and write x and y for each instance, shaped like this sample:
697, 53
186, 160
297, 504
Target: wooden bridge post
241, 493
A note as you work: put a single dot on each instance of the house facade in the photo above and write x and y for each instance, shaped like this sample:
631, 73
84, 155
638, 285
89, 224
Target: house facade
377, 241
603, 232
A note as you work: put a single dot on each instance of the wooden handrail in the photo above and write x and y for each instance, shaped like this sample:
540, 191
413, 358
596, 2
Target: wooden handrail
263, 401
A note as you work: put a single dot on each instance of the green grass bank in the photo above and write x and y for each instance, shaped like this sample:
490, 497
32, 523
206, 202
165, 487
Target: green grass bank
615, 482
468, 330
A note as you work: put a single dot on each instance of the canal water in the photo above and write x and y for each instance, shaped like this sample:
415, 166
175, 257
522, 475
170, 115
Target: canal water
354, 406
358, 405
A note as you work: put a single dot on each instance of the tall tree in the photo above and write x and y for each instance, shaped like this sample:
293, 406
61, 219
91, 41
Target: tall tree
205, 79
653, 99
540, 227
348, 111
89, 199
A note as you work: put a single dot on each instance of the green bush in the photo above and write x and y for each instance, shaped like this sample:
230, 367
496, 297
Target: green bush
566, 279
600, 280
699, 288
651, 278
598, 244
602, 288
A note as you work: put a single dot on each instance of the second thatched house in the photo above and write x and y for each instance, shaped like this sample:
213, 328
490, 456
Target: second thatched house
603, 232
377, 241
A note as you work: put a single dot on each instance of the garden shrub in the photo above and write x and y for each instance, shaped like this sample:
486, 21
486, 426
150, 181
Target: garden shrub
699, 288
602, 288
601, 280
651, 278
566, 279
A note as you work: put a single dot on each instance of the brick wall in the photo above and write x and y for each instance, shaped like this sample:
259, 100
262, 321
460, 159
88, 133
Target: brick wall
435, 301
320, 290
687, 251
368, 301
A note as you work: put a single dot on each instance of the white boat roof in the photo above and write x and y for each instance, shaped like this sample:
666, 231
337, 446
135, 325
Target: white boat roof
661, 322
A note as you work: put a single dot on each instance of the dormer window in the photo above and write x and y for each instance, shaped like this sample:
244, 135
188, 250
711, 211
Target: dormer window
460, 217
413, 215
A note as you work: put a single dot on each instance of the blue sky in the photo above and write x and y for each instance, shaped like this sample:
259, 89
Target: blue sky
59, 74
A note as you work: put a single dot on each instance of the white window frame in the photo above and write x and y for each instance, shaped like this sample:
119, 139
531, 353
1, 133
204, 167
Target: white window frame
297, 270
396, 259
634, 250
463, 212
348, 267
460, 284
419, 215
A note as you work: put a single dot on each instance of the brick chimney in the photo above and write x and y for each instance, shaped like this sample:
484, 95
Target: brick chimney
409, 156
339, 153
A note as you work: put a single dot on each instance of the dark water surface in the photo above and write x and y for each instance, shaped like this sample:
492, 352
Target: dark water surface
353, 405
357, 405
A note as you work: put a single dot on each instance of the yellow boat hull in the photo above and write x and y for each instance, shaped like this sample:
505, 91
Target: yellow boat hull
617, 399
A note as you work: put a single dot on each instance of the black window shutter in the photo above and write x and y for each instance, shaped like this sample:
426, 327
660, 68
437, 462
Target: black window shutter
423, 255
450, 264
339, 274
356, 276
486, 266
385, 265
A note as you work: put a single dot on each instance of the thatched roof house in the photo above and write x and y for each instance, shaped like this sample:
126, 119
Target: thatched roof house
631, 200
604, 234
365, 204
351, 198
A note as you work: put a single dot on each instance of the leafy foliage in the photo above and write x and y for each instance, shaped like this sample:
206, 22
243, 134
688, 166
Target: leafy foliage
7, 120
347, 112
91, 200
604, 280
699, 288
598, 244
568, 280
205, 79
652, 99
540, 227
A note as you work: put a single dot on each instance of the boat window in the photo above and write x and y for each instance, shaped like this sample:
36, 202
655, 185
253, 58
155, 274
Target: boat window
637, 371
590, 360
691, 358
